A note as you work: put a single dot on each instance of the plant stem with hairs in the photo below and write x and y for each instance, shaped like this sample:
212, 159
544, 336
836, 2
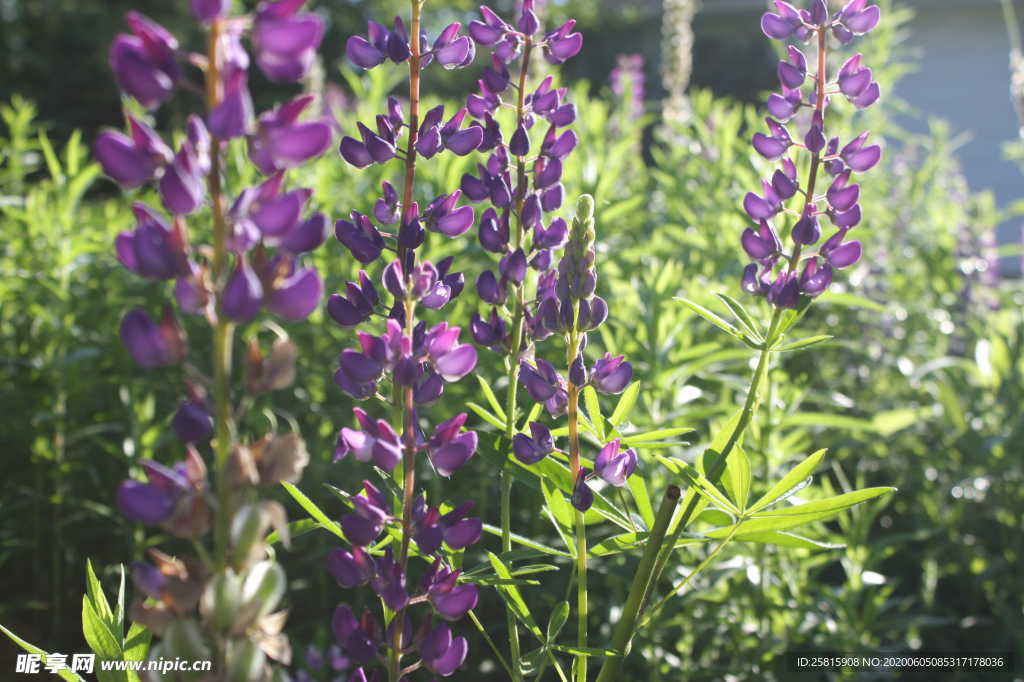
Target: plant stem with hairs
512, 365
407, 398
223, 330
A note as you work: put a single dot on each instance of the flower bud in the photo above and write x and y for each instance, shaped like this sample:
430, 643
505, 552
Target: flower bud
263, 588
184, 639
245, 661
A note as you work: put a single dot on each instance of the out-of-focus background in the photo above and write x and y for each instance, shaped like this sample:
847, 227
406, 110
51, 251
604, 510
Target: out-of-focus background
922, 388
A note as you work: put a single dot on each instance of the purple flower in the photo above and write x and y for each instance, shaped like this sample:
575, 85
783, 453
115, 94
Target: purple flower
615, 465
350, 569
285, 40
144, 63
582, 496
544, 385
364, 526
376, 441
357, 305
153, 344
243, 293
174, 498
193, 423
361, 238
532, 449
293, 298
774, 146
611, 375
207, 11
132, 161
281, 142
448, 449
858, 157
153, 249
782, 25
442, 654
361, 638
451, 600
233, 116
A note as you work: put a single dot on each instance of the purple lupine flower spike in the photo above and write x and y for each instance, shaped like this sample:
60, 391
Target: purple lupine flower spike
774, 274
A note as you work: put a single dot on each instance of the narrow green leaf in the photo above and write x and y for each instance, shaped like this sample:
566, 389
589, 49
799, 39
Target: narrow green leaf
736, 478
743, 316
313, 510
594, 411
803, 343
638, 488
99, 638
136, 643
491, 398
559, 506
625, 405
851, 301
584, 651
486, 416
512, 596
94, 591
657, 434
295, 529
795, 477
799, 515
785, 539
526, 542
119, 607
559, 616
52, 163
33, 649
711, 317
700, 485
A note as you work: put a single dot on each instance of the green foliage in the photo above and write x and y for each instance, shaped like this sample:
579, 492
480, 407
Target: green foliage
910, 375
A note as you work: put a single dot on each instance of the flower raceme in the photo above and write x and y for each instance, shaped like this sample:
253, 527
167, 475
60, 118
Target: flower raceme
407, 365
220, 607
774, 273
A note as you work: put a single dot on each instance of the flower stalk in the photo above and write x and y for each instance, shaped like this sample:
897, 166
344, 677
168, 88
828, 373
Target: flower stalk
623, 634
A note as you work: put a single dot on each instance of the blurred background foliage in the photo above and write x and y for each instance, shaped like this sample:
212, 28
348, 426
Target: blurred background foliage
920, 389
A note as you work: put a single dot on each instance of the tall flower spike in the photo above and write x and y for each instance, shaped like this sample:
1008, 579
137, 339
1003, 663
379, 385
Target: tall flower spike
224, 606
775, 274
410, 362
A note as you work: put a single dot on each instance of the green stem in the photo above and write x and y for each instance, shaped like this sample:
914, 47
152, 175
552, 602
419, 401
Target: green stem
610, 670
394, 660
494, 647
223, 329
753, 395
715, 473
512, 368
582, 606
678, 589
